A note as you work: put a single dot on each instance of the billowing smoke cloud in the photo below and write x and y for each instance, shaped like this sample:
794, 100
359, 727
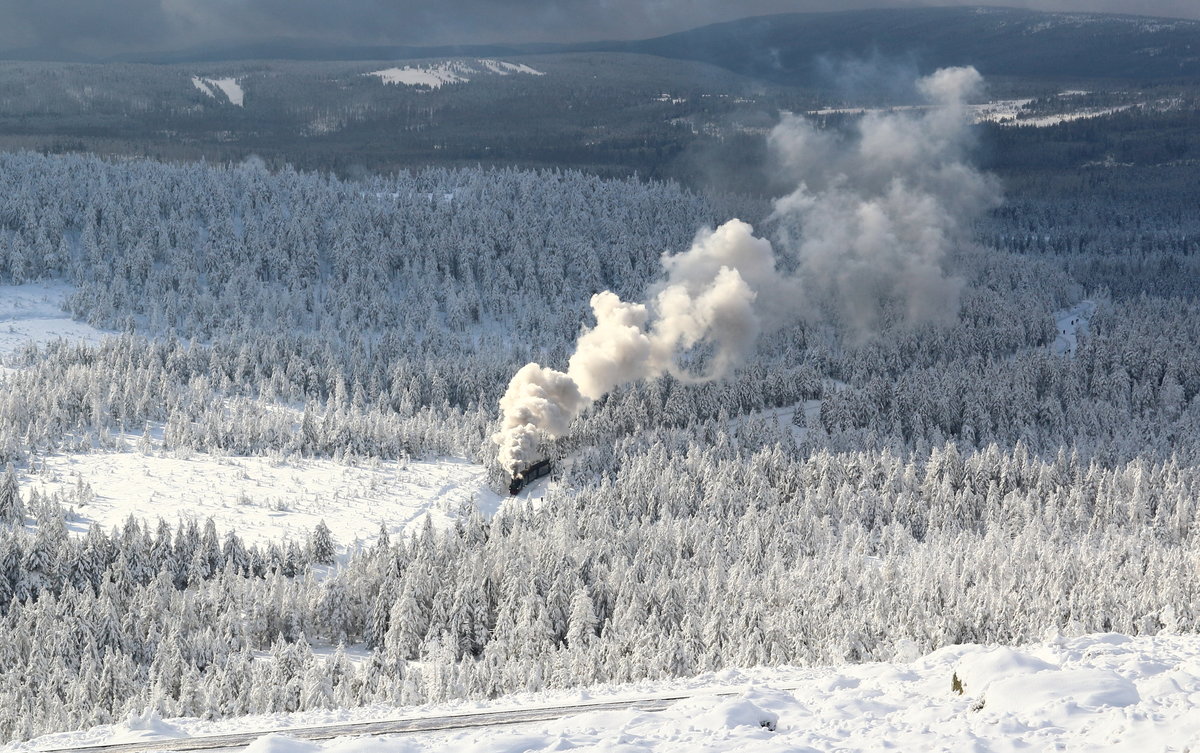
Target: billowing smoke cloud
866, 229
874, 213
709, 299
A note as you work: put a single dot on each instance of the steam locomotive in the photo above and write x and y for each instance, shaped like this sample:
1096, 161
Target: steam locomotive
524, 478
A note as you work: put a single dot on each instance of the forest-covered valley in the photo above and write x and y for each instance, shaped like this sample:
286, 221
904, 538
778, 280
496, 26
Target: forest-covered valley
343, 271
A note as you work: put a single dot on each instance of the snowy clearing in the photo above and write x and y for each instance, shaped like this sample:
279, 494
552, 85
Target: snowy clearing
202, 85
999, 111
451, 72
33, 313
264, 500
1045, 121
502, 68
1005, 112
1105, 692
432, 77
227, 86
1013, 112
1069, 324
232, 89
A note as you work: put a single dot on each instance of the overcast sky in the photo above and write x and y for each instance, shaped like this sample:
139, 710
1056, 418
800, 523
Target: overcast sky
108, 27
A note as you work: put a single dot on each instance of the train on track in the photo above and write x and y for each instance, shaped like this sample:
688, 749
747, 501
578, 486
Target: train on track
524, 478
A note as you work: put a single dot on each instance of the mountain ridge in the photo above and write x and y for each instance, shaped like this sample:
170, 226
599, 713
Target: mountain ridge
799, 48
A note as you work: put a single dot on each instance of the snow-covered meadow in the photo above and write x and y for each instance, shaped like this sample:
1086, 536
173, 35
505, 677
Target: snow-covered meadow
33, 313
450, 72
267, 500
1100, 692
1004, 112
262, 498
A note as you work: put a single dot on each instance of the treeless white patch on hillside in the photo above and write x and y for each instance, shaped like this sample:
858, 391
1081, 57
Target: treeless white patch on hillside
433, 77
451, 72
1005, 112
232, 89
202, 85
264, 500
227, 86
33, 313
503, 68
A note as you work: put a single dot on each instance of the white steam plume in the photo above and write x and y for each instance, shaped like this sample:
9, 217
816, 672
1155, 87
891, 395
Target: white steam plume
874, 215
870, 221
709, 297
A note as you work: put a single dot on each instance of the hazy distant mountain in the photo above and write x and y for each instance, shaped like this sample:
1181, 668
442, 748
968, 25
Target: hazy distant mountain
305, 49
800, 47
804, 47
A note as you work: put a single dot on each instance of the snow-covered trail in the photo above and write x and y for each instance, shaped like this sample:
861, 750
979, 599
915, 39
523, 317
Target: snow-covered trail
1069, 324
400, 726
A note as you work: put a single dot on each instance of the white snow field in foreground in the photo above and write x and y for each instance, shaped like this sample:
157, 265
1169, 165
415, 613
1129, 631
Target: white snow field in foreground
264, 500
1093, 693
33, 313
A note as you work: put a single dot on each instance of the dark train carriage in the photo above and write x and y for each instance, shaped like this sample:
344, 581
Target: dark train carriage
524, 478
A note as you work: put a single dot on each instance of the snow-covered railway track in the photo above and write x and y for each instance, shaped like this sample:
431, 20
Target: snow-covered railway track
402, 726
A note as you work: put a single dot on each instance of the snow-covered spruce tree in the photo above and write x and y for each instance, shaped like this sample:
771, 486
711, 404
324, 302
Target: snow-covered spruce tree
12, 508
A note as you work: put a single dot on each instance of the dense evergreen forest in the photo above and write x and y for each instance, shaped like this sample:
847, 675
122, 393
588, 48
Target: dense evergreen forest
614, 114
960, 481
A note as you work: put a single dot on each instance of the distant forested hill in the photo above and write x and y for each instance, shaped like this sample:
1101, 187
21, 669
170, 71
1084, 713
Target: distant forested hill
796, 48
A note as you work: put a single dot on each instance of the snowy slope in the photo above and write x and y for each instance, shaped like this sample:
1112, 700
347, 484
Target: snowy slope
266, 500
202, 85
32, 313
450, 72
232, 89
227, 86
261, 498
1104, 692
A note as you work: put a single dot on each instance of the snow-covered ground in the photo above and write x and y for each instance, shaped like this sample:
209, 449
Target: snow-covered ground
1013, 112
261, 498
267, 500
227, 86
1045, 121
1069, 324
999, 111
450, 72
232, 89
203, 86
1005, 112
433, 76
503, 68
32, 313
1103, 692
